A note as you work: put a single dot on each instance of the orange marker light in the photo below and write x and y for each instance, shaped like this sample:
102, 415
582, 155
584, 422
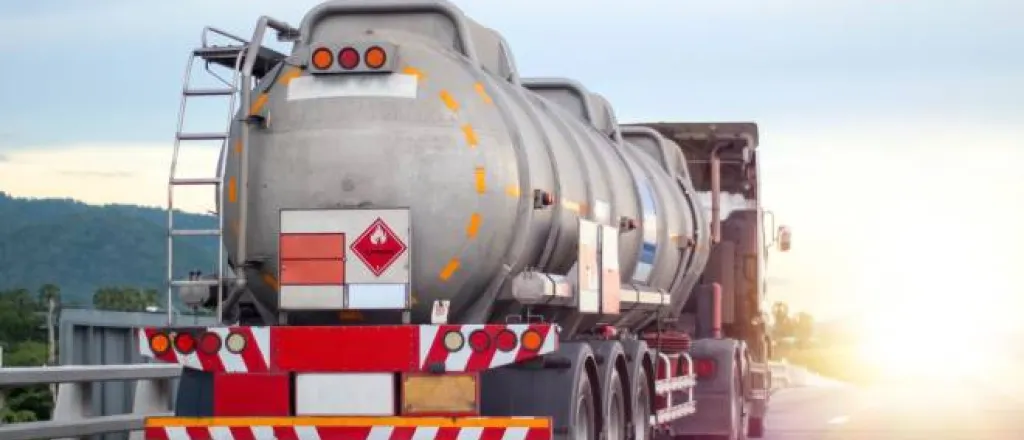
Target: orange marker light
531, 340
322, 58
375, 57
159, 343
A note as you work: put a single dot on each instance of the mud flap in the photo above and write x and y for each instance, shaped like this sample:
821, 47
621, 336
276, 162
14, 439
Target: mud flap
545, 387
716, 395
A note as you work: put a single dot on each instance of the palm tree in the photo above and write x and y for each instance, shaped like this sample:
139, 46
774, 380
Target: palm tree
49, 294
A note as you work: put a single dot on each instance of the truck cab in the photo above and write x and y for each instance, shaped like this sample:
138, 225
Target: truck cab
722, 164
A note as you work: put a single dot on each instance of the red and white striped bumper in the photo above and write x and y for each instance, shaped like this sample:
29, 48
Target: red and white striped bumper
348, 428
398, 348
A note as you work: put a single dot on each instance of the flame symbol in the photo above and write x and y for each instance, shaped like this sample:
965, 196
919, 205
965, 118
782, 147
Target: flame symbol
378, 237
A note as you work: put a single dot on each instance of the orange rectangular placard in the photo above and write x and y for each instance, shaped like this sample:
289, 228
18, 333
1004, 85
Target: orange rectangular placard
311, 272
312, 246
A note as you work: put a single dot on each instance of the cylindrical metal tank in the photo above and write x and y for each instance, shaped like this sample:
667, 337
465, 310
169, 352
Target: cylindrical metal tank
465, 153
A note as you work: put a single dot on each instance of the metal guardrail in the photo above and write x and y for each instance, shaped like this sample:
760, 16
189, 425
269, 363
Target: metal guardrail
71, 414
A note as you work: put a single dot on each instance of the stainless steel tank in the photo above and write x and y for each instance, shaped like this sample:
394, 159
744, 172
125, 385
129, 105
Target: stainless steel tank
465, 152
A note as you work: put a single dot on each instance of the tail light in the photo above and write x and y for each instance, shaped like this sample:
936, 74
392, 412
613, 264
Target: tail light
376, 57
322, 58
185, 343
506, 341
159, 343
532, 340
453, 341
209, 343
235, 342
479, 341
705, 368
348, 58
363, 57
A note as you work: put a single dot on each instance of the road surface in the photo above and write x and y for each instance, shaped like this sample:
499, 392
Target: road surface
899, 409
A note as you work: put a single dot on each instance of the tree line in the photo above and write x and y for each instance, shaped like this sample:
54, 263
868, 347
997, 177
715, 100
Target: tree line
791, 330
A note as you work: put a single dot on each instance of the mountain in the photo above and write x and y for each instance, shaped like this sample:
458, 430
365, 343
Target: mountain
82, 247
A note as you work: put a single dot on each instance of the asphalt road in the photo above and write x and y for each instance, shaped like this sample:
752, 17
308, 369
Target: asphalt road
899, 409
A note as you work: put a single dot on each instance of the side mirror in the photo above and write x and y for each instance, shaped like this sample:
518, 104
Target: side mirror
784, 238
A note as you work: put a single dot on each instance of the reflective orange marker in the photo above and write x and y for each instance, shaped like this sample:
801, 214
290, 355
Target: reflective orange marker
531, 340
159, 343
322, 58
375, 57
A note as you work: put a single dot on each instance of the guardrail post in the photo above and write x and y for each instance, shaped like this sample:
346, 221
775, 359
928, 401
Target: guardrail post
74, 402
152, 396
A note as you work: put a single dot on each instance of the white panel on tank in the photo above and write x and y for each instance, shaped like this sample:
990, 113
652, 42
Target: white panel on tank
395, 85
312, 297
355, 394
610, 288
377, 297
602, 212
588, 275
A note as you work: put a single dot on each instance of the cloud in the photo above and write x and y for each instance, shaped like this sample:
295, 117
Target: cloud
109, 173
99, 174
117, 21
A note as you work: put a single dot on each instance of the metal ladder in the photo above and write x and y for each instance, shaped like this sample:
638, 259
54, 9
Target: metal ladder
248, 60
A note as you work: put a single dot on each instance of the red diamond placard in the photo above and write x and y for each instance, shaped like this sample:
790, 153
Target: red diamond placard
378, 247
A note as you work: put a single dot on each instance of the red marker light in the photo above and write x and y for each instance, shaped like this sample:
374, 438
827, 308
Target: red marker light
185, 343
209, 343
479, 340
506, 341
705, 367
348, 58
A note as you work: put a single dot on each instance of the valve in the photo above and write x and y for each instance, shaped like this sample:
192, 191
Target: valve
542, 199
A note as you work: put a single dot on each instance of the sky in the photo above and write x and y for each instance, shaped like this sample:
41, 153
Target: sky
891, 131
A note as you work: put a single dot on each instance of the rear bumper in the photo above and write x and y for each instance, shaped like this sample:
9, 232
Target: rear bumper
347, 428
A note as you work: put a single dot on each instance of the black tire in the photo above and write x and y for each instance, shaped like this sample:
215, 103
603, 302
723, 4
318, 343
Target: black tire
641, 406
615, 409
584, 420
755, 427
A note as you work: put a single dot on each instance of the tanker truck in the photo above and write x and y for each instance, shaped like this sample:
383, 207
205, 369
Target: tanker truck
419, 243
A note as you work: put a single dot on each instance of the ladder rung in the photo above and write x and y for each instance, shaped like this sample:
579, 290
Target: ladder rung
218, 52
195, 232
210, 92
202, 136
196, 181
182, 283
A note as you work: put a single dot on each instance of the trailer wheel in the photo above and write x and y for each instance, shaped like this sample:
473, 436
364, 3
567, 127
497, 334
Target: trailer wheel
615, 418
641, 407
584, 420
738, 426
